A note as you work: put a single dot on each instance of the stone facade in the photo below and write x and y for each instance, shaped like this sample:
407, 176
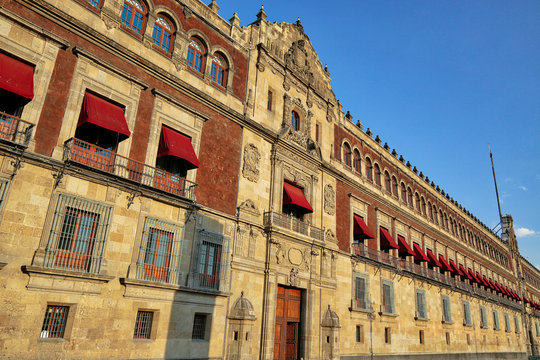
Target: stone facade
207, 266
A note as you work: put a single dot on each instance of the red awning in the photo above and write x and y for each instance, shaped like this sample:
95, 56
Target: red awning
419, 254
481, 280
404, 248
104, 114
293, 195
505, 290
172, 143
478, 278
360, 228
432, 259
444, 263
465, 273
492, 284
497, 287
486, 281
455, 269
16, 76
526, 300
387, 242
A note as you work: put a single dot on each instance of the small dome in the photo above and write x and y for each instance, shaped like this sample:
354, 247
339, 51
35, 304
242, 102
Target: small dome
330, 319
242, 309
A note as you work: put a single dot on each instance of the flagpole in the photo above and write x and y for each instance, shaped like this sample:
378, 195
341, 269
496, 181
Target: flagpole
495, 180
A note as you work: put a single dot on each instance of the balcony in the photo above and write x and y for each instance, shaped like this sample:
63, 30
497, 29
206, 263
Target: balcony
293, 224
109, 162
375, 255
15, 130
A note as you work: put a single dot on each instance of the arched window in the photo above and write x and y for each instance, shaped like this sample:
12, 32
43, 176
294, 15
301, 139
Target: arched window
410, 197
403, 193
219, 70
133, 14
430, 211
196, 55
346, 154
163, 34
387, 183
357, 162
417, 202
377, 174
394, 187
423, 206
295, 120
441, 218
369, 168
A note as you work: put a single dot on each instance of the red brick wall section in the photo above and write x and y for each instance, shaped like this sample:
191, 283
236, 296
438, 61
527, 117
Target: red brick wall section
141, 130
50, 121
343, 233
219, 154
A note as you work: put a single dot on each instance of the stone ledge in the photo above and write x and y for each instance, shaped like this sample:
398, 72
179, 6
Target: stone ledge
64, 280
158, 291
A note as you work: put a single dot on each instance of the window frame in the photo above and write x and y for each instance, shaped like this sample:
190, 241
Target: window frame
163, 31
496, 325
346, 154
100, 231
219, 72
357, 161
295, 120
387, 299
508, 325
483, 317
421, 304
447, 310
516, 324
129, 23
141, 332
361, 303
211, 265
467, 316
200, 327
196, 57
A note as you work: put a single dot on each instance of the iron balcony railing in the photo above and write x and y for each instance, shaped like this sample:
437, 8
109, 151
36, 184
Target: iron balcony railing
101, 159
15, 130
400, 263
293, 224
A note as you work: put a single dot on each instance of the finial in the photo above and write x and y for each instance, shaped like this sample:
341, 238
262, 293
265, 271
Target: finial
242, 293
214, 6
261, 15
298, 21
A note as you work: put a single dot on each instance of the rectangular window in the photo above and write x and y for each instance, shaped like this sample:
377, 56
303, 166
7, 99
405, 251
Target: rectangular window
537, 329
387, 335
360, 334
447, 338
421, 335
143, 325
199, 327
447, 315
3, 190
55, 322
467, 319
483, 318
468, 339
388, 297
270, 99
160, 252
78, 235
516, 320
362, 292
317, 132
212, 261
507, 322
496, 320
421, 311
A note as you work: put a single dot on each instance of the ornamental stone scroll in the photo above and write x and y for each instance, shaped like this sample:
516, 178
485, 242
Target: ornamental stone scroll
329, 200
252, 158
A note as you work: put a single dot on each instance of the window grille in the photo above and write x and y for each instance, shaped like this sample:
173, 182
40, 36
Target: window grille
199, 326
362, 292
94, 3
55, 321
483, 314
496, 319
507, 322
467, 313
212, 261
388, 297
78, 234
143, 325
447, 315
160, 252
421, 304
516, 320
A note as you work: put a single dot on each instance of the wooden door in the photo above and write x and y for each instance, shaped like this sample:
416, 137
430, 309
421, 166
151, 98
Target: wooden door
287, 330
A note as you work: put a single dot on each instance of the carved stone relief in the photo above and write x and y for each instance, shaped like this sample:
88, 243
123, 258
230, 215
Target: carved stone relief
293, 277
252, 158
329, 236
297, 60
249, 206
329, 200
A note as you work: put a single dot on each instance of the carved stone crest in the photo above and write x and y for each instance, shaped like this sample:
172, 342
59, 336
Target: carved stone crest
293, 277
329, 200
297, 59
329, 235
249, 206
251, 163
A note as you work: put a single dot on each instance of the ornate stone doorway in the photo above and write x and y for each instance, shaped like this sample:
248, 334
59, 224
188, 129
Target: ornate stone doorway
288, 323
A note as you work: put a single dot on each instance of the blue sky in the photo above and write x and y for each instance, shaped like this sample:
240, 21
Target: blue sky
439, 81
